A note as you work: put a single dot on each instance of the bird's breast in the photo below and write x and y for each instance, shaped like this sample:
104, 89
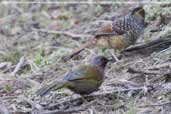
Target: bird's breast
84, 86
116, 42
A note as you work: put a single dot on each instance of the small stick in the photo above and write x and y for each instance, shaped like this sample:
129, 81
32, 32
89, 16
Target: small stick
70, 34
168, 64
95, 95
152, 105
33, 104
147, 72
18, 66
80, 49
76, 109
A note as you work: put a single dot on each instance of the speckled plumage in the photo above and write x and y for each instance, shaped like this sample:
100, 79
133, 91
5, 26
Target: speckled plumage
125, 30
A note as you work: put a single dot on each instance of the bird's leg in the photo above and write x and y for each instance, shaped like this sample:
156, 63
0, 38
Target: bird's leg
83, 99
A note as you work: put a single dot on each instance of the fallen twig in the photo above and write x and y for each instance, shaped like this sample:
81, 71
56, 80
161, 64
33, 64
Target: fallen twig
162, 76
67, 33
144, 71
94, 96
33, 104
159, 104
18, 66
111, 107
80, 49
168, 64
8, 97
76, 109
150, 47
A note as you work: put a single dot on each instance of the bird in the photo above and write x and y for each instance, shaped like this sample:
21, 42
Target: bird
83, 79
118, 35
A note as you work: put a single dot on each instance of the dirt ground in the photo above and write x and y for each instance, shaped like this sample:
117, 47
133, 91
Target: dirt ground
35, 37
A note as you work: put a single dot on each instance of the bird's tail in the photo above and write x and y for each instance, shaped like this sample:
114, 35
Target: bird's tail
51, 87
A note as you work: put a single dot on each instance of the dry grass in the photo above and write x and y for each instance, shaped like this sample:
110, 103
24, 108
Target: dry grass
146, 91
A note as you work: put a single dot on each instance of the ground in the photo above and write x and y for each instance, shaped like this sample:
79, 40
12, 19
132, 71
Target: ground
34, 38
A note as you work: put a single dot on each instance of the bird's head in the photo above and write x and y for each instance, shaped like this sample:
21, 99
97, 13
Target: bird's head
139, 12
100, 61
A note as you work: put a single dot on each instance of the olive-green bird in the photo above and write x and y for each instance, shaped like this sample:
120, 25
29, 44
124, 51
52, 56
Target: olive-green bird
82, 80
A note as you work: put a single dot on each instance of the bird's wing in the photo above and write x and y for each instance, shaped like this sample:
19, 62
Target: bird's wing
74, 75
83, 72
